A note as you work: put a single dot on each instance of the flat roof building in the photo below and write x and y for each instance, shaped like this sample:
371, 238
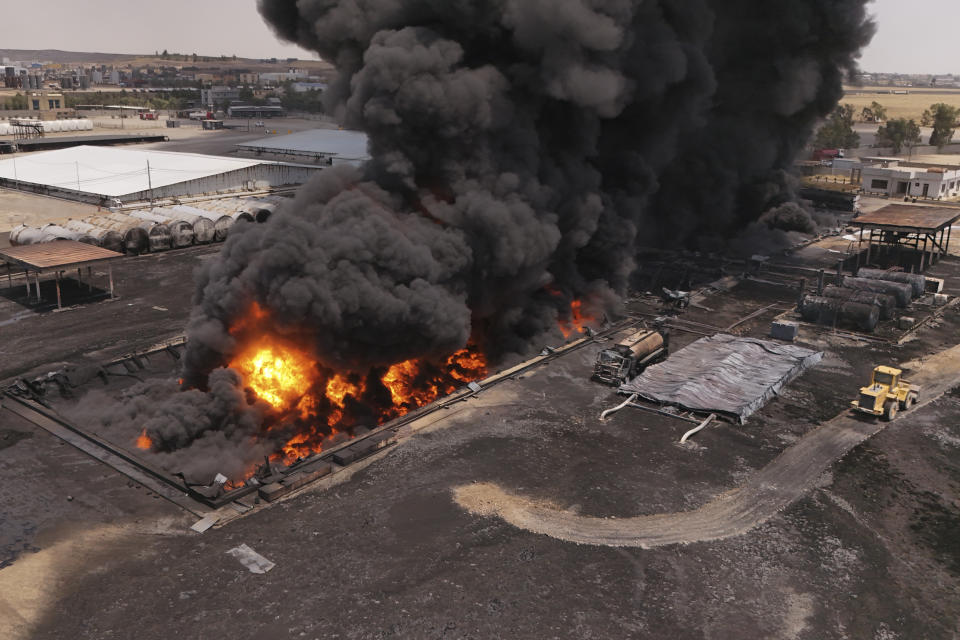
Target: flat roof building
98, 174
330, 146
897, 179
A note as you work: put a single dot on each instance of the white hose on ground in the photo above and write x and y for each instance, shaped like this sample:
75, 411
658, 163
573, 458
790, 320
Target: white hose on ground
618, 407
697, 428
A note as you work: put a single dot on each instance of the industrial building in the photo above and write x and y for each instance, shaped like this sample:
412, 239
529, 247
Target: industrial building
894, 177
330, 146
105, 175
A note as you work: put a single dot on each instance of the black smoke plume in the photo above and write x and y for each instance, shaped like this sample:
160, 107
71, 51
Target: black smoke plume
522, 151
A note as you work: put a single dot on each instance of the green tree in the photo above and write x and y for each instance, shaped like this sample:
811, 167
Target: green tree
164, 55
837, 132
943, 118
899, 133
876, 112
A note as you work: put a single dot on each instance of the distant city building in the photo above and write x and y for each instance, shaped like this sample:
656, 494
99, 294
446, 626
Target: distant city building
45, 102
216, 95
303, 87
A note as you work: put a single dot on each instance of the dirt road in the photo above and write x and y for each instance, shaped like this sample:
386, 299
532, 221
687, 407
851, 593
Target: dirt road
736, 512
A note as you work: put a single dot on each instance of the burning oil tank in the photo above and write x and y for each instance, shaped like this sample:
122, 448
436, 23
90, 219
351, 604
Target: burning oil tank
103, 237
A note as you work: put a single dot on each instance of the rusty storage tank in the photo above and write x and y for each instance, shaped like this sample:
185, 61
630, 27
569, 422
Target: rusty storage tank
158, 230
260, 209
136, 240
915, 280
834, 312
104, 237
23, 235
221, 223
63, 233
203, 232
181, 232
902, 293
233, 207
885, 302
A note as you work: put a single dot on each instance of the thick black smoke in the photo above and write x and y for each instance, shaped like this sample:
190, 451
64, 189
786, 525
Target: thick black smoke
522, 151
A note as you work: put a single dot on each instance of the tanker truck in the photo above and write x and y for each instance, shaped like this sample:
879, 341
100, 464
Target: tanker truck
629, 357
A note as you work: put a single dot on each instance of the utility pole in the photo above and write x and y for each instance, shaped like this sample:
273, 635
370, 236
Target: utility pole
16, 178
149, 182
78, 175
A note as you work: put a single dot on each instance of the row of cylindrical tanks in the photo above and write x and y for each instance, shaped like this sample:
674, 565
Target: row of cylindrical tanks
153, 229
863, 301
49, 126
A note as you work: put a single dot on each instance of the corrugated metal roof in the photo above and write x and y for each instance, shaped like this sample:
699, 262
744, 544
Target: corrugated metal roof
59, 253
339, 143
910, 217
110, 172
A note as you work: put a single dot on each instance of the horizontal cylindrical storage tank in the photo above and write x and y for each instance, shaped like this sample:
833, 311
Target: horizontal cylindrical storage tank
915, 280
885, 302
136, 238
66, 234
262, 208
106, 238
834, 312
902, 293
181, 232
160, 236
203, 231
221, 223
23, 235
5, 129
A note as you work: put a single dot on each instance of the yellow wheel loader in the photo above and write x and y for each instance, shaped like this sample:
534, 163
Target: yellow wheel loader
886, 395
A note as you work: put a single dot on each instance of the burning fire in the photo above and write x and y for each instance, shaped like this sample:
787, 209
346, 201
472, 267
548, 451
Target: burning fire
144, 443
577, 322
277, 374
319, 406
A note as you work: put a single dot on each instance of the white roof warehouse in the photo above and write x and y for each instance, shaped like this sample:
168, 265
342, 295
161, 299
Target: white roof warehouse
93, 174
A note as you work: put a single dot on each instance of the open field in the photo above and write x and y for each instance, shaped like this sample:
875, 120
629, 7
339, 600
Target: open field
909, 105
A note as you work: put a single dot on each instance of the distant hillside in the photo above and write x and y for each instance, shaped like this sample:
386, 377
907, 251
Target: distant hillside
56, 55
76, 57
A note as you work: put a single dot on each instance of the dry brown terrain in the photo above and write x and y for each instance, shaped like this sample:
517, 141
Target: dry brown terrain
909, 105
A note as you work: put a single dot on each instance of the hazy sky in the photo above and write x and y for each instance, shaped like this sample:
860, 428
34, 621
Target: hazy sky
913, 37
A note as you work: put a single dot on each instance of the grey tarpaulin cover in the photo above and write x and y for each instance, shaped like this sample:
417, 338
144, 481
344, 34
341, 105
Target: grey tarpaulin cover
723, 374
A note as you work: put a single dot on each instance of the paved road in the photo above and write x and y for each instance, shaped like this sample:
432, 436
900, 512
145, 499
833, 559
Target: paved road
766, 493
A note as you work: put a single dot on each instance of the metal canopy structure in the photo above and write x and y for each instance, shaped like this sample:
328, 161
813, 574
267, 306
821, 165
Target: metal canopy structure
57, 256
924, 230
335, 145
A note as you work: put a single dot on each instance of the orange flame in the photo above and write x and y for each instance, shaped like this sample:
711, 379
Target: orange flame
277, 374
315, 404
577, 322
144, 443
